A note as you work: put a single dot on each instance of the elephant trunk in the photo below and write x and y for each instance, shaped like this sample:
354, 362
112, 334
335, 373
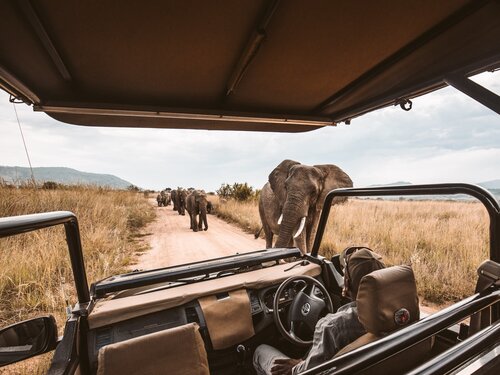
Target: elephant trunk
293, 222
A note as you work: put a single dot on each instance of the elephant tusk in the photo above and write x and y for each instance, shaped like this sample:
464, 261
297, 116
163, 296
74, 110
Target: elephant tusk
280, 219
301, 227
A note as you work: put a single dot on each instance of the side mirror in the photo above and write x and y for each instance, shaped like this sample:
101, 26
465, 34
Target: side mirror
27, 339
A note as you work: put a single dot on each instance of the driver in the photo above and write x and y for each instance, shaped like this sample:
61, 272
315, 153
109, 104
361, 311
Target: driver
332, 332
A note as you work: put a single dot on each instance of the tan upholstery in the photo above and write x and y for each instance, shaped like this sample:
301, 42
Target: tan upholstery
110, 311
175, 351
361, 341
229, 320
387, 300
386, 294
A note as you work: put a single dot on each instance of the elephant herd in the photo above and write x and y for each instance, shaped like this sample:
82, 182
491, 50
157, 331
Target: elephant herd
290, 202
193, 201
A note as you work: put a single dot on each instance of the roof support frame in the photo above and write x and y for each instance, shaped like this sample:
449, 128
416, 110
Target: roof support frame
488, 64
402, 53
251, 48
475, 91
44, 37
16, 88
172, 113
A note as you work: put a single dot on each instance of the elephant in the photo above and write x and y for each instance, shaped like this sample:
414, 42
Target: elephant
197, 204
181, 201
164, 198
175, 201
159, 200
291, 201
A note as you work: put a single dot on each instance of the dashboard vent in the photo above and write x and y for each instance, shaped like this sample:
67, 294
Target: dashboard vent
103, 338
192, 315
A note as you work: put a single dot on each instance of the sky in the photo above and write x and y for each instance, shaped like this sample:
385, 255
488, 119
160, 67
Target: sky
446, 137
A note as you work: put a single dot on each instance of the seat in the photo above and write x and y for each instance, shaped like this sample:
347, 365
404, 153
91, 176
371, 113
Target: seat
387, 300
175, 351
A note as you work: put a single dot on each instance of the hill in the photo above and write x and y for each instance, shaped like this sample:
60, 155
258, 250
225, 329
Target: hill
491, 185
62, 175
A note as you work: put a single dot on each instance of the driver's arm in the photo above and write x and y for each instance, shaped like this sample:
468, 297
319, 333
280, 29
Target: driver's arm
332, 333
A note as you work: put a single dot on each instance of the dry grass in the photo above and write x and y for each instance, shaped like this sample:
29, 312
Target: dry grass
444, 241
35, 277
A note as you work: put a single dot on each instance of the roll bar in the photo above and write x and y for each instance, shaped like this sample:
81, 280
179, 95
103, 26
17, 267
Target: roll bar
483, 195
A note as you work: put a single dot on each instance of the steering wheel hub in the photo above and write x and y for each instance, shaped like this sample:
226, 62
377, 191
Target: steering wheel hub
306, 307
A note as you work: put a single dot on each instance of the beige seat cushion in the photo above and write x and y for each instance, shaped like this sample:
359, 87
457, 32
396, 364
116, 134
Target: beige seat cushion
175, 351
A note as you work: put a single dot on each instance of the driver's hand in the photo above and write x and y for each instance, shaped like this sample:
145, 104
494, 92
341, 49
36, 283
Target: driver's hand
284, 366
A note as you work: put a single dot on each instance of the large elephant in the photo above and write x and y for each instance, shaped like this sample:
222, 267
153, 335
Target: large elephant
175, 200
290, 203
196, 204
181, 201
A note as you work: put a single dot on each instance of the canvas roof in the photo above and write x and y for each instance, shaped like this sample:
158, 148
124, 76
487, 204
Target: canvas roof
261, 65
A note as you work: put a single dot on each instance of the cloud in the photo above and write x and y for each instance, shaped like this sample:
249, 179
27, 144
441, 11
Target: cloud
445, 137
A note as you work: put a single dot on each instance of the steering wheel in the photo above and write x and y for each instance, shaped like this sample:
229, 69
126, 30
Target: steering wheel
305, 308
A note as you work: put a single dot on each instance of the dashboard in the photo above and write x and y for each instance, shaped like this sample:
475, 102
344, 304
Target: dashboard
261, 304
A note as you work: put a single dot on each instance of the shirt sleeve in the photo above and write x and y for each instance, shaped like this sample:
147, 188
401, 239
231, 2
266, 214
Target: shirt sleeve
332, 333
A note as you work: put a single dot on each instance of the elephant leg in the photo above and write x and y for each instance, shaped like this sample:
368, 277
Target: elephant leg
269, 235
194, 222
200, 224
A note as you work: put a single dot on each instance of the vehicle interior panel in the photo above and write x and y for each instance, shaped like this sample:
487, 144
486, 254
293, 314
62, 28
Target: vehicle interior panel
108, 311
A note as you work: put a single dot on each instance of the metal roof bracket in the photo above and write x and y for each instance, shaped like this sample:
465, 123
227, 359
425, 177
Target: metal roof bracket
474, 91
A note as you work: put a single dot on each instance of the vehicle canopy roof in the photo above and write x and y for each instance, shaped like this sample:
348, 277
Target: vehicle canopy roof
265, 65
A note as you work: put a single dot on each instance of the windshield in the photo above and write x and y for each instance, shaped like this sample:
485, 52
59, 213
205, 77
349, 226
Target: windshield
123, 185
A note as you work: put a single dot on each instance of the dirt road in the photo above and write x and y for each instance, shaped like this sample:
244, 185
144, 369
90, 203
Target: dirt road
172, 242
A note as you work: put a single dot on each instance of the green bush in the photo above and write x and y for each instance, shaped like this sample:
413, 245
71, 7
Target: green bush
238, 191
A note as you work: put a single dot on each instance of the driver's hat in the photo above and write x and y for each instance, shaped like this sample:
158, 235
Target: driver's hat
358, 262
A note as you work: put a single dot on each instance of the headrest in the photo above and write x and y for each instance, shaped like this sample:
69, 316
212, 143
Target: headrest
387, 300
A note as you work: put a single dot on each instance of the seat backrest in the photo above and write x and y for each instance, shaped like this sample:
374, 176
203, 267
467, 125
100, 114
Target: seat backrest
176, 351
387, 300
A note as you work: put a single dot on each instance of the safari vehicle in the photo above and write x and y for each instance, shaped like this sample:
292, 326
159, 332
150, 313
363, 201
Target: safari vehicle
278, 66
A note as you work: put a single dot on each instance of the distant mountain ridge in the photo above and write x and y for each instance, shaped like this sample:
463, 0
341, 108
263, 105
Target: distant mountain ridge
62, 175
493, 184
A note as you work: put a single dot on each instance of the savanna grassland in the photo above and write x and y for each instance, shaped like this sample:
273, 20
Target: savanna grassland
444, 241
36, 277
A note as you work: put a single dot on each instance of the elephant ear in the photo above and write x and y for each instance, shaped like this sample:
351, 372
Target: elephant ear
278, 176
334, 178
